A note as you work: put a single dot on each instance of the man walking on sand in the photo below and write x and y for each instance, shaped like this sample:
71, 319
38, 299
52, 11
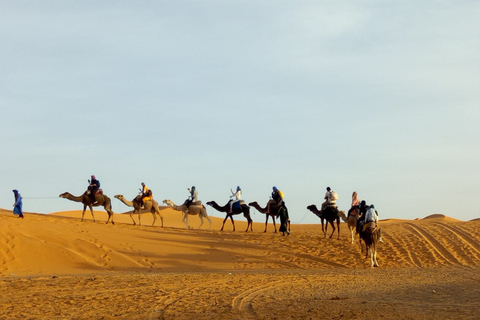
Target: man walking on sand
17, 206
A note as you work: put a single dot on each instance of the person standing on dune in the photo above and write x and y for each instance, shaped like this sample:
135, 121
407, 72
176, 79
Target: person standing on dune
17, 206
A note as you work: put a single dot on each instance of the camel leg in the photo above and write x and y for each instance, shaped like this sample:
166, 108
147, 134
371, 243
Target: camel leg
91, 211
83, 212
250, 224
338, 229
274, 225
185, 220
223, 225
201, 221
233, 223
139, 216
161, 217
266, 221
375, 258
154, 218
333, 226
108, 208
372, 255
375, 263
131, 217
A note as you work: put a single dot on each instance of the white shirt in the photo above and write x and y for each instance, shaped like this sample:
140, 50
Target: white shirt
238, 195
329, 196
195, 196
371, 215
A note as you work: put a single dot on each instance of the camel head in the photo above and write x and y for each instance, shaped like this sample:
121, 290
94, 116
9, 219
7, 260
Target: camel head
168, 202
342, 215
254, 203
64, 195
314, 209
119, 196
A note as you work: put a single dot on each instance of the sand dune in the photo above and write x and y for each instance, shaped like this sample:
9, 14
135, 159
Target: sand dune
57, 267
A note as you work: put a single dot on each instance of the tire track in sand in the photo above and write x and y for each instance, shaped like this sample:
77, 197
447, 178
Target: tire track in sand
462, 235
243, 302
401, 251
435, 245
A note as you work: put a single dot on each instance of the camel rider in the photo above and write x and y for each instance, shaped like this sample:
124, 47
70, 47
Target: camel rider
361, 218
193, 197
93, 187
372, 216
330, 198
236, 197
277, 197
355, 203
146, 193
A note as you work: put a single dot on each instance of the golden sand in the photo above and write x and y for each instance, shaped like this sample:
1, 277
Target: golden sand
57, 267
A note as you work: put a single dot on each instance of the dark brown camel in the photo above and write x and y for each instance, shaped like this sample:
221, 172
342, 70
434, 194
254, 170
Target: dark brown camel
243, 209
370, 236
274, 213
100, 200
330, 214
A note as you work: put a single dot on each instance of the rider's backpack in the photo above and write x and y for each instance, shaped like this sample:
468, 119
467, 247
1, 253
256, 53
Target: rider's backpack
334, 196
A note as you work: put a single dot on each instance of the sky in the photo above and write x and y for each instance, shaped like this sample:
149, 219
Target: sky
378, 97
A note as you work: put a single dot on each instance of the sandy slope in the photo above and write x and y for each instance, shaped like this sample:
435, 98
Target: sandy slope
55, 266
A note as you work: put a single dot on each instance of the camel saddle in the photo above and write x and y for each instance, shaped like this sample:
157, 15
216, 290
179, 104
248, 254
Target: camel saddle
237, 205
196, 203
99, 191
370, 226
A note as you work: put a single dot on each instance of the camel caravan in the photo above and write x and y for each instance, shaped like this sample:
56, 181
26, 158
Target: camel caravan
361, 219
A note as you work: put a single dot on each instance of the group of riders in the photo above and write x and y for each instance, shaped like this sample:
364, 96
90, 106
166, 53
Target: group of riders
365, 213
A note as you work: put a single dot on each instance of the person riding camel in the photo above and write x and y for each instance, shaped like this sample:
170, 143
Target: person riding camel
355, 203
146, 193
372, 216
236, 197
277, 198
193, 198
330, 199
361, 216
93, 187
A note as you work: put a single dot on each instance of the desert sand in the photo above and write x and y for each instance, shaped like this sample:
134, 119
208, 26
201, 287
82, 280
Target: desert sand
57, 267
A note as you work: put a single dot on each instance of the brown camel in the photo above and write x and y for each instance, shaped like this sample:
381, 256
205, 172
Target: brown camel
193, 209
330, 214
274, 213
100, 200
149, 206
351, 222
370, 235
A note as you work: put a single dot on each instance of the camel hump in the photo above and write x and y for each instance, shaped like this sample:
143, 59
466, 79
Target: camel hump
196, 203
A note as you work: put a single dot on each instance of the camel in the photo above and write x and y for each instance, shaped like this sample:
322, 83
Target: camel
236, 210
370, 236
274, 213
193, 209
148, 206
100, 200
351, 222
330, 214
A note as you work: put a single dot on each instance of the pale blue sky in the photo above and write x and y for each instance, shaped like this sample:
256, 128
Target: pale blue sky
381, 97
